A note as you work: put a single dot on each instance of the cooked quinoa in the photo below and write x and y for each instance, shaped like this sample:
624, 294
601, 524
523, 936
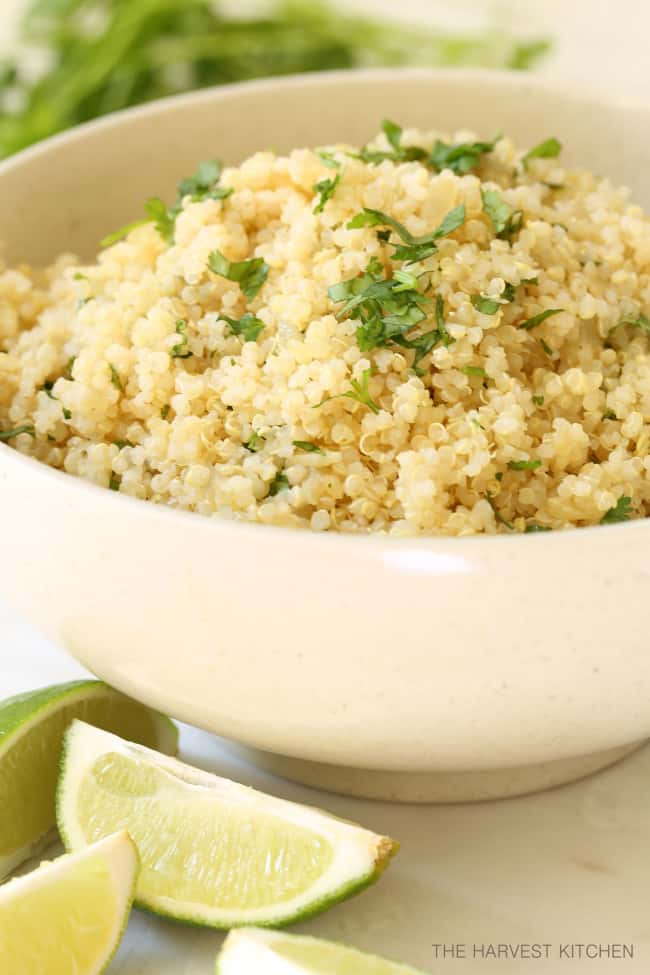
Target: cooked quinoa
369, 378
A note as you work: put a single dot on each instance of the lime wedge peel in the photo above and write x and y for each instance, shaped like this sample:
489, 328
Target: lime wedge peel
69, 915
213, 852
276, 953
31, 734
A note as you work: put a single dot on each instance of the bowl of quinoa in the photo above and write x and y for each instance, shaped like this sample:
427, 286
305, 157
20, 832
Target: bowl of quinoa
416, 317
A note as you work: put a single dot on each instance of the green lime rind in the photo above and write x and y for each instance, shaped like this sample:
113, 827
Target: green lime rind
105, 781
290, 954
31, 733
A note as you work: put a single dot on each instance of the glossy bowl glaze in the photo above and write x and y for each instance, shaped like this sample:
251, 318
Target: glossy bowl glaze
460, 662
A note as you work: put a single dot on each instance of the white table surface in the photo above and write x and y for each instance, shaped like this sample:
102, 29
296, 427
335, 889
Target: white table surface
569, 866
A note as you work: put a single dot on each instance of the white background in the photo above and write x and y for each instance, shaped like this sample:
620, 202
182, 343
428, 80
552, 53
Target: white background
571, 865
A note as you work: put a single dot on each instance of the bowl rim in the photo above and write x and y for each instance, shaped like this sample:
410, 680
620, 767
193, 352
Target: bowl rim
381, 541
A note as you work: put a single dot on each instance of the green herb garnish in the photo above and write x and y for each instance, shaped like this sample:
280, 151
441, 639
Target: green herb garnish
524, 465
249, 275
622, 511
114, 482
497, 514
328, 159
254, 442
532, 529
121, 444
550, 149
10, 434
413, 248
460, 158
477, 371
247, 327
115, 377
181, 349
325, 188
69, 367
397, 152
279, 483
308, 447
547, 349
505, 221
538, 319
485, 305
164, 413
538, 400
609, 415
358, 392
642, 323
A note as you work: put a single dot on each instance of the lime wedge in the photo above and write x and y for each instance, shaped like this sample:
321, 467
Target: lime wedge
286, 954
213, 852
31, 736
68, 916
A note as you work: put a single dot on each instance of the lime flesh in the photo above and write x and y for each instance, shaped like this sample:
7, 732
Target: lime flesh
31, 736
68, 916
283, 954
213, 852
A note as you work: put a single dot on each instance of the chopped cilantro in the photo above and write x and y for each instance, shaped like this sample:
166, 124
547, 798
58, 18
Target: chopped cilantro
115, 378
325, 188
204, 184
642, 323
412, 248
550, 149
114, 482
10, 434
397, 152
78, 276
47, 388
622, 511
547, 349
328, 159
121, 444
499, 476
123, 232
477, 371
308, 447
538, 400
279, 483
181, 349
358, 392
497, 514
609, 415
69, 367
526, 281
538, 319
505, 221
524, 465
460, 158
248, 326
164, 413
249, 275
532, 529
254, 442
485, 305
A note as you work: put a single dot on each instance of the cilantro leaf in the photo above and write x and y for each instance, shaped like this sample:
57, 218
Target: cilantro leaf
359, 391
10, 434
250, 275
538, 319
413, 248
114, 482
532, 528
279, 483
123, 232
622, 511
328, 159
505, 221
485, 305
462, 157
115, 378
248, 326
181, 349
642, 323
308, 447
254, 442
550, 149
497, 514
477, 371
325, 188
397, 152
524, 465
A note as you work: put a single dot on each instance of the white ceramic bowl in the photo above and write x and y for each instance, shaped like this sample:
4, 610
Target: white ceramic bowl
443, 668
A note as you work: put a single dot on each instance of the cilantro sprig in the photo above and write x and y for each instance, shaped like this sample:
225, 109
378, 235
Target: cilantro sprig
249, 275
622, 511
325, 189
506, 222
461, 157
549, 149
248, 327
412, 248
358, 391
181, 350
538, 319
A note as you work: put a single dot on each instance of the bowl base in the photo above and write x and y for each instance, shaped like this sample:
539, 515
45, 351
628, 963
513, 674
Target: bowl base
435, 787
